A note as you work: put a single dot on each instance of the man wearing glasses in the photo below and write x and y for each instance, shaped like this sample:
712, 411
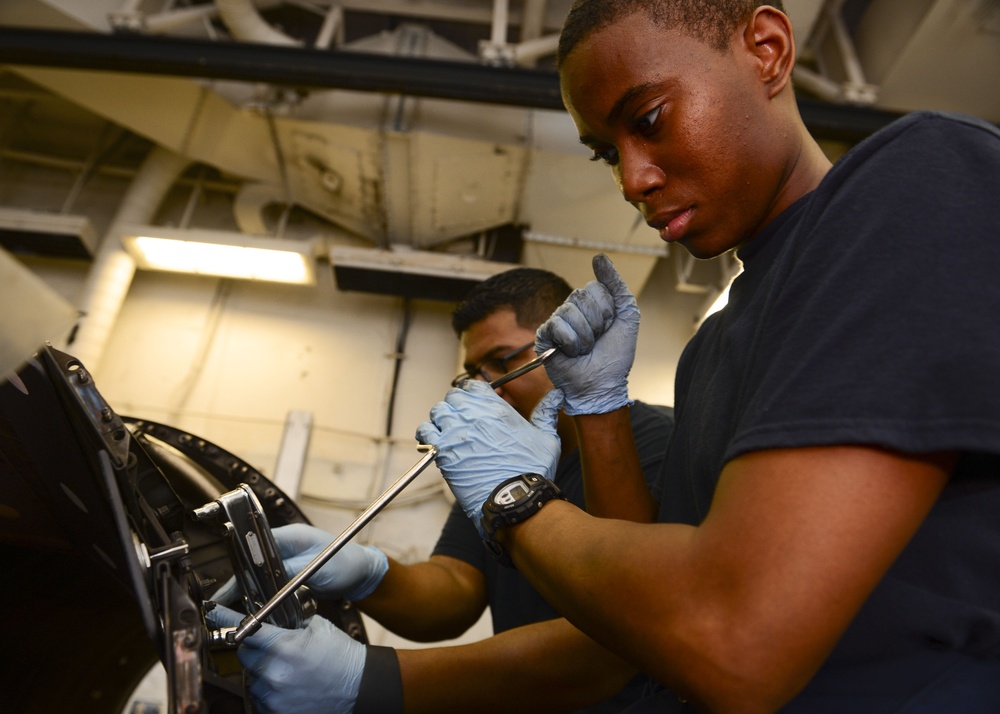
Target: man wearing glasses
554, 666
494, 367
496, 324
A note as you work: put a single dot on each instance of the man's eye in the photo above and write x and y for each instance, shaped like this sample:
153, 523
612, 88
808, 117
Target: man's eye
648, 120
608, 156
494, 368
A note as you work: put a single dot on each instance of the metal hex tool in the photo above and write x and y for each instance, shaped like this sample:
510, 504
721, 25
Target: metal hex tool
251, 623
524, 368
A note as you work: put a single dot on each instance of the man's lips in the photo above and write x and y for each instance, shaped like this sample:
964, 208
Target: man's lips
672, 226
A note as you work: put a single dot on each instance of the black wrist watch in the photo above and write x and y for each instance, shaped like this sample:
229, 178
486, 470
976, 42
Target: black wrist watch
514, 501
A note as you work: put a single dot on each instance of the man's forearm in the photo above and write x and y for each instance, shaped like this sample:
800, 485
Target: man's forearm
545, 667
740, 611
429, 601
614, 484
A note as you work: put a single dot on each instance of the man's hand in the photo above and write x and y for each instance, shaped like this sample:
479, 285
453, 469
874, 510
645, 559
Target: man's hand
353, 573
595, 331
313, 670
482, 442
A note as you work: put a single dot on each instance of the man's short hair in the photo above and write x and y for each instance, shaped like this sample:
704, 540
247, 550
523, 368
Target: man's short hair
532, 294
710, 21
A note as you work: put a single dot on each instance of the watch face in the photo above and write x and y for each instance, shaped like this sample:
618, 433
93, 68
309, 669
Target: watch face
511, 493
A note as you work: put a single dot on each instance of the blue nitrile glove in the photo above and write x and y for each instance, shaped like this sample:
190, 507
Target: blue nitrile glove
316, 669
353, 572
482, 441
596, 331
228, 594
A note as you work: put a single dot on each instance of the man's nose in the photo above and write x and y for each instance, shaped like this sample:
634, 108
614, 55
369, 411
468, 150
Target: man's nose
637, 176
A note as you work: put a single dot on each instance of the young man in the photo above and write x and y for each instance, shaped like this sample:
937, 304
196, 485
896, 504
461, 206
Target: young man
828, 537
554, 666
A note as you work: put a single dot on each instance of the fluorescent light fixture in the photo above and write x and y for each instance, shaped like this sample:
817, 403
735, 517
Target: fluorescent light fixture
223, 254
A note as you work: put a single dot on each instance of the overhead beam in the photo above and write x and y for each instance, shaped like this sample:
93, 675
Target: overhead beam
310, 68
281, 65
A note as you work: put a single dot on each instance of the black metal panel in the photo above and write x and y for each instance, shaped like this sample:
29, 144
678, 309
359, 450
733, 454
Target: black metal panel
46, 245
80, 489
408, 285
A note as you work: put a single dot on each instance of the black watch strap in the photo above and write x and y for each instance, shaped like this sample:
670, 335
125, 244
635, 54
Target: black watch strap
514, 501
381, 690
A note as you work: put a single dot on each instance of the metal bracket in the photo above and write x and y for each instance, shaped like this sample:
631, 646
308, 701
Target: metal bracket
256, 561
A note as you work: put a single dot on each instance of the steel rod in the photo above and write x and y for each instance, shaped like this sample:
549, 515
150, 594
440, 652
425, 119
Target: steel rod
251, 623
515, 373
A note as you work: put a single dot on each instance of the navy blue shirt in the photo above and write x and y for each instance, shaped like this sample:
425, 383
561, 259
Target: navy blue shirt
869, 313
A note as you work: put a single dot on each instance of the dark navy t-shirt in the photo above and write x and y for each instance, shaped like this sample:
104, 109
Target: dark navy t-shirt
869, 313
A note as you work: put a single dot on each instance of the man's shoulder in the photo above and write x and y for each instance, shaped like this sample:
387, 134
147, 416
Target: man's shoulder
949, 122
918, 160
930, 131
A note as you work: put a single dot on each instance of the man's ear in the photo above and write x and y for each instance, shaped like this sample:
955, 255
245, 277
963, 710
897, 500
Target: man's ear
768, 35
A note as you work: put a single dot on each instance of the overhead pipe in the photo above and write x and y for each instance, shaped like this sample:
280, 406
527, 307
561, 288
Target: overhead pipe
817, 84
533, 46
527, 53
132, 19
332, 30
496, 51
498, 31
280, 65
110, 276
533, 19
246, 25
177, 18
310, 68
856, 88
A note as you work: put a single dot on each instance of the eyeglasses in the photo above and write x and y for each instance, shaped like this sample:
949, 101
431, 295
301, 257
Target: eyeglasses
491, 368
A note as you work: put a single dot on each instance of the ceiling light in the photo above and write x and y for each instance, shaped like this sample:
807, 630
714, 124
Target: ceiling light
221, 254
